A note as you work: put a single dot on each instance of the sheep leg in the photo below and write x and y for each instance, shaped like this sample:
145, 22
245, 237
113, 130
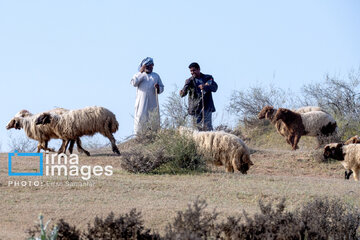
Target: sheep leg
39, 147
229, 168
290, 140
46, 147
63, 147
113, 143
80, 148
296, 141
348, 174
71, 147
356, 174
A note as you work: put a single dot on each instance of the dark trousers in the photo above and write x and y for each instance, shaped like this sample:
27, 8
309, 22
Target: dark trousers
203, 125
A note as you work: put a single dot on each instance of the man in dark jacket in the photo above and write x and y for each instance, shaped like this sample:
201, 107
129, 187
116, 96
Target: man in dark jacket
201, 105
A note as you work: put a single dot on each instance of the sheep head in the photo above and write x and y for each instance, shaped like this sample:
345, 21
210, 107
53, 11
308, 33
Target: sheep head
244, 167
334, 150
23, 113
44, 118
267, 112
355, 139
281, 114
14, 123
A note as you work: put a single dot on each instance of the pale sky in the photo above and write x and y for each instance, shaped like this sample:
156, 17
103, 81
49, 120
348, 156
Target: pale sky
74, 54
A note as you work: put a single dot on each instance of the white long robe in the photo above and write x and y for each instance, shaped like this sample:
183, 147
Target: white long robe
145, 97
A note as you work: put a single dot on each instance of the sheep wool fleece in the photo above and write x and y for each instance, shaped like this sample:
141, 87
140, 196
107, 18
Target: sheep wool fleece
145, 97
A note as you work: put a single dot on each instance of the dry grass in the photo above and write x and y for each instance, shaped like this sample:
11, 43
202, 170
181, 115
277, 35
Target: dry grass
276, 174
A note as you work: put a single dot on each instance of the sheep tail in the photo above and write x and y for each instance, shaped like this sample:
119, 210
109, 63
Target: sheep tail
113, 125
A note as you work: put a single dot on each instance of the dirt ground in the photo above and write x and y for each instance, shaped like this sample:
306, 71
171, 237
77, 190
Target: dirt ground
298, 176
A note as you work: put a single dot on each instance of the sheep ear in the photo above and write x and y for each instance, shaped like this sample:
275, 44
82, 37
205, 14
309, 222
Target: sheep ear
339, 145
11, 124
43, 119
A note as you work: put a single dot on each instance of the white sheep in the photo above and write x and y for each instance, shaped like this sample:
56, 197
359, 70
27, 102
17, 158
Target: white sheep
348, 154
41, 133
76, 123
317, 124
226, 149
308, 109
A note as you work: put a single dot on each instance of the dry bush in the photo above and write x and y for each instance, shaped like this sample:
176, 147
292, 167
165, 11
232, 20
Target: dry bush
270, 223
339, 97
175, 109
67, 232
127, 226
321, 218
193, 223
21, 143
139, 160
325, 218
164, 151
248, 103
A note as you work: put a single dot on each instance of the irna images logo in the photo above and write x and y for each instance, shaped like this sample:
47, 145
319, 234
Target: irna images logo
59, 165
24, 155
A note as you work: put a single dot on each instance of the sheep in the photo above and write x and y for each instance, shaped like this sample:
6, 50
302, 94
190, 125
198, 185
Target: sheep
317, 123
348, 154
226, 149
308, 109
268, 112
355, 139
76, 123
25, 119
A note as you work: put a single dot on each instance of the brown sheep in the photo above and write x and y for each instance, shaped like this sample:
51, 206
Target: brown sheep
317, 124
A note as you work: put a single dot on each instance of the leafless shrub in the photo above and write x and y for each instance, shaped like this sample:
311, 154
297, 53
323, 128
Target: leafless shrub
248, 103
321, 218
176, 111
127, 226
21, 143
339, 97
193, 223
325, 218
67, 232
139, 160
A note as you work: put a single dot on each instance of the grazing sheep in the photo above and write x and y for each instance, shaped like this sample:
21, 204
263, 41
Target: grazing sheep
26, 120
348, 154
76, 123
317, 123
225, 148
353, 140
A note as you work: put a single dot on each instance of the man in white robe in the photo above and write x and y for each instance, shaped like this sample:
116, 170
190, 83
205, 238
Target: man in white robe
148, 84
